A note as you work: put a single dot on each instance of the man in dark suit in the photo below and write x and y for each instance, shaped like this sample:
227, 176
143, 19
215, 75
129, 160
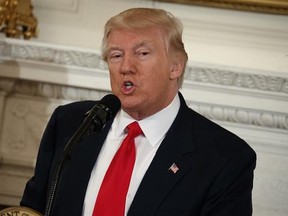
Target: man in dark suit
185, 164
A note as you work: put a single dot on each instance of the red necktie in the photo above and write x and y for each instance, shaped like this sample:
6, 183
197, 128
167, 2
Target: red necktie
112, 194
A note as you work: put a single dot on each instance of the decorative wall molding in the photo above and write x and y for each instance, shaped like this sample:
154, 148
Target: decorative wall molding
225, 77
259, 118
47, 90
206, 74
247, 117
214, 78
40, 53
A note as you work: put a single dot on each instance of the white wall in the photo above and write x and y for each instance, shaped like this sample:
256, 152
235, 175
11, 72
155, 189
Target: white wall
223, 37
237, 75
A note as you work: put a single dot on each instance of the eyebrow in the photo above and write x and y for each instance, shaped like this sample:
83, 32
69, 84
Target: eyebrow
112, 49
142, 43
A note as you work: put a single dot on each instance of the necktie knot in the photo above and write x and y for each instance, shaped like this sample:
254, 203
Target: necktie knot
134, 129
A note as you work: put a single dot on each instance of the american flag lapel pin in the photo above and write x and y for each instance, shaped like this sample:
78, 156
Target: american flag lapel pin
174, 168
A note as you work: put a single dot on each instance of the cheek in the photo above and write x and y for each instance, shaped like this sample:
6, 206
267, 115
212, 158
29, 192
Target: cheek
156, 82
113, 72
113, 79
160, 74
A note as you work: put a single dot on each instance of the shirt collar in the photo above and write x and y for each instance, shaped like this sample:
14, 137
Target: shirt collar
154, 127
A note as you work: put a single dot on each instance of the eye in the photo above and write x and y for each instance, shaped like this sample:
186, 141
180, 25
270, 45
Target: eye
143, 53
115, 55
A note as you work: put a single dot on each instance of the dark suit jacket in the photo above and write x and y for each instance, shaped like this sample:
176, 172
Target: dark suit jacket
215, 174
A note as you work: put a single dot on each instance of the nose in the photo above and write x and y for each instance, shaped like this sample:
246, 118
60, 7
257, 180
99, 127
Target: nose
128, 65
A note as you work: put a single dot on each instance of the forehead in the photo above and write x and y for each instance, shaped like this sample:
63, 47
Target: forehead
136, 37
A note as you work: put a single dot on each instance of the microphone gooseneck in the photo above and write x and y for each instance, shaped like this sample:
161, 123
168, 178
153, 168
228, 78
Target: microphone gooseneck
95, 119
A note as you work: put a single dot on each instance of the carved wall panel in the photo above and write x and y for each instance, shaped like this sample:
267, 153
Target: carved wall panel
24, 120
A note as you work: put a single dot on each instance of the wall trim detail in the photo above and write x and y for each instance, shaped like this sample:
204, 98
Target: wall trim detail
233, 78
246, 116
202, 74
211, 78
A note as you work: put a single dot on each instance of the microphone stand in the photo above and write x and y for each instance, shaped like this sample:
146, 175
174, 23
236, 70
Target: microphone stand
93, 122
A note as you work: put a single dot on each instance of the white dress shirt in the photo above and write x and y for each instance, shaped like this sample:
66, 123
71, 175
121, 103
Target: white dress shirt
154, 129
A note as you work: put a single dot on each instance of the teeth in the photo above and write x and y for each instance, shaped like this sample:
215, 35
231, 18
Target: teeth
128, 84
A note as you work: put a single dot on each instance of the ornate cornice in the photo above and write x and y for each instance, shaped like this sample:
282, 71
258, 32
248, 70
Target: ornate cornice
203, 74
39, 53
252, 117
230, 78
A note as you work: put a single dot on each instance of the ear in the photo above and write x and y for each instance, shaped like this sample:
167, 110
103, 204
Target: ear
176, 68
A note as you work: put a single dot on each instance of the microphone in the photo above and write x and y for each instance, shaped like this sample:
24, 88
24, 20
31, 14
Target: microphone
95, 119
102, 112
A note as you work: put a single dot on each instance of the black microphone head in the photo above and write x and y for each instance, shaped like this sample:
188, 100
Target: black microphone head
103, 111
112, 102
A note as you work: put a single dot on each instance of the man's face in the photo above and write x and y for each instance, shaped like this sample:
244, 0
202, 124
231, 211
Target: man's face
142, 73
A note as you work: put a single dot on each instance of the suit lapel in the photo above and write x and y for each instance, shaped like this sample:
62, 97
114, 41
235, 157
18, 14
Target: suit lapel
159, 179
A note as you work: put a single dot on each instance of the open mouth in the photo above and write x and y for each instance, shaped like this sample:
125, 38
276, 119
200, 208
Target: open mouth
128, 84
